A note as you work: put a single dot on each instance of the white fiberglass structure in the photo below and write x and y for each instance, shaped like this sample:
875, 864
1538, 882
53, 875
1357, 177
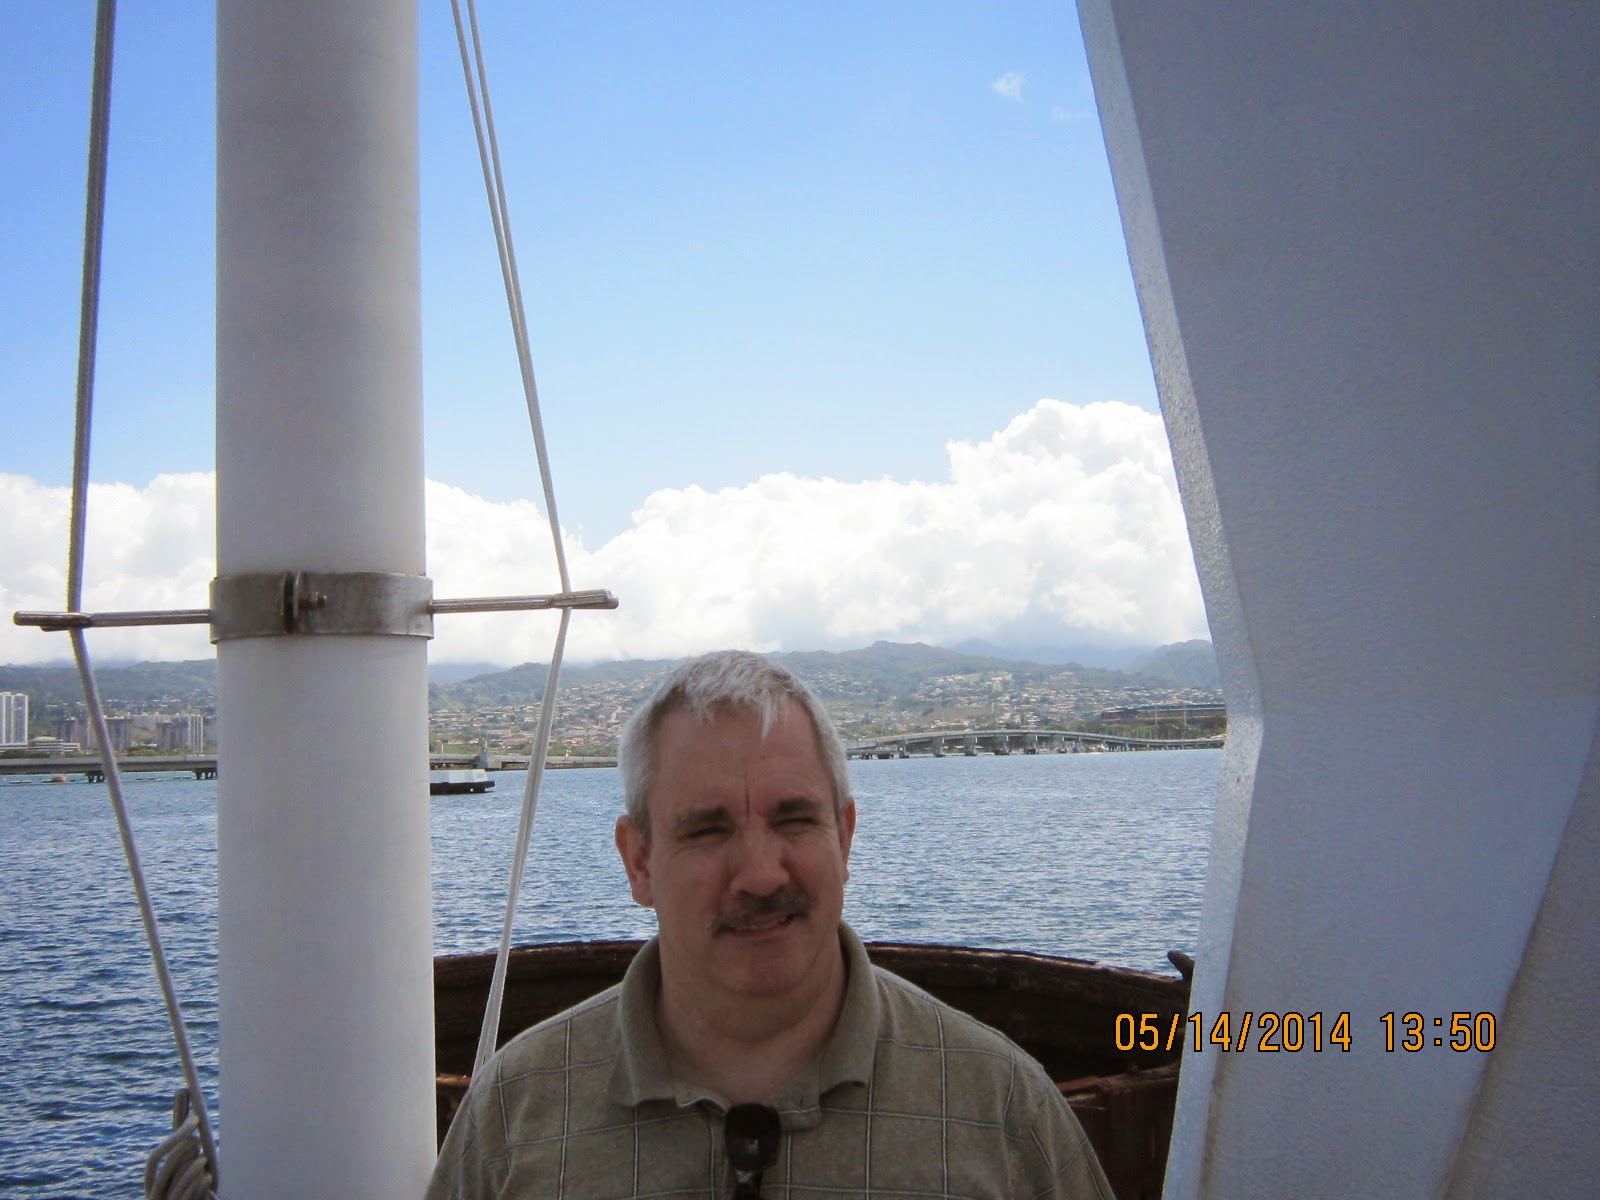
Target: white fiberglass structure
1365, 241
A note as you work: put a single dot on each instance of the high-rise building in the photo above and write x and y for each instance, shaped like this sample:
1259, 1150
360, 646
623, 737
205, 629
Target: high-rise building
120, 731
182, 734
13, 719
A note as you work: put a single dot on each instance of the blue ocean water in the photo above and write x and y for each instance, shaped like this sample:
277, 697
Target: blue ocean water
1097, 856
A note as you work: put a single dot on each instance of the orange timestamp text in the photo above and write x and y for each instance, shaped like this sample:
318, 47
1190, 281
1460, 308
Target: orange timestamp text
1291, 1032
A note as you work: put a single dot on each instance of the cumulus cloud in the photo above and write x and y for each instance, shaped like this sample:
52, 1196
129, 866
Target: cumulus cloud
1064, 527
1010, 84
149, 548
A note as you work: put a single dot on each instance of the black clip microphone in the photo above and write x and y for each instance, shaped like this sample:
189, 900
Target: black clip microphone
751, 1133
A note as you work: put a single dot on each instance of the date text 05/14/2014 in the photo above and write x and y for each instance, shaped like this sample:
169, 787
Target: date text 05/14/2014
1291, 1032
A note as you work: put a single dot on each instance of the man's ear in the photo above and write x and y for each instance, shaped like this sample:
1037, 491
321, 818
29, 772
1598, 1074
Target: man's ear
635, 852
847, 831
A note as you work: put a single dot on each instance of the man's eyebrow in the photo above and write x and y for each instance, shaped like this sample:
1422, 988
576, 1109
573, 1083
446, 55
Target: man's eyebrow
797, 807
697, 818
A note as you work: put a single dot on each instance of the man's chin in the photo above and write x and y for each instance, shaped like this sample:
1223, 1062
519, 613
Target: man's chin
767, 960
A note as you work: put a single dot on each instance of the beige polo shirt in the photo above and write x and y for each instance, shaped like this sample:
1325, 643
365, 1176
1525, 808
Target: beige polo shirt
910, 1098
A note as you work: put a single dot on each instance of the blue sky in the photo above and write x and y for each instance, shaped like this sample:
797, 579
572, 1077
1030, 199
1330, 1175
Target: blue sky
816, 240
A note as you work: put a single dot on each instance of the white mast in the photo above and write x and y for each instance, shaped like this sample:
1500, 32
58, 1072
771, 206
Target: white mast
325, 906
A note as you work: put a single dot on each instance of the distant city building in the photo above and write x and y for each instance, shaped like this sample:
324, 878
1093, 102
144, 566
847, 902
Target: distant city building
1154, 714
71, 729
182, 734
49, 747
120, 730
13, 720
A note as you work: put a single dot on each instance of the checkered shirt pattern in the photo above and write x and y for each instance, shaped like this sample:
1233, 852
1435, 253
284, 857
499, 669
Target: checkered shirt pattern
910, 1098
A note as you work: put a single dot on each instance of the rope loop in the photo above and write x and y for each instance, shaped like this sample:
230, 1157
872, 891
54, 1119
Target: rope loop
177, 1168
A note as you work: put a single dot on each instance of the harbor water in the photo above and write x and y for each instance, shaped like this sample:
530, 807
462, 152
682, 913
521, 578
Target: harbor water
1098, 856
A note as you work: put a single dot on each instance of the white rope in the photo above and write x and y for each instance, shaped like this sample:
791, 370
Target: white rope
199, 1179
477, 81
500, 216
207, 1150
176, 1169
94, 220
488, 1036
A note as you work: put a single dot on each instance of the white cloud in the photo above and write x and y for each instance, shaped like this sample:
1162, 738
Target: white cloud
1063, 527
1010, 84
150, 548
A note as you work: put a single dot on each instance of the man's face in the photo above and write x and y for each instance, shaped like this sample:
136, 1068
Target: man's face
746, 862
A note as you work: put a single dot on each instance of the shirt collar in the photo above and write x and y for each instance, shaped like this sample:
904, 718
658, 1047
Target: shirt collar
853, 1045
642, 1071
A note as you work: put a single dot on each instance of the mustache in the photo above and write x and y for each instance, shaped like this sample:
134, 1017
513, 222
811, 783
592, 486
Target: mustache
787, 901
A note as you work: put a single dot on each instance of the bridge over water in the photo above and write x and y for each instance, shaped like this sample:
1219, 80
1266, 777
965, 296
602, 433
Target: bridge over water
935, 743
939, 743
516, 762
204, 766
92, 767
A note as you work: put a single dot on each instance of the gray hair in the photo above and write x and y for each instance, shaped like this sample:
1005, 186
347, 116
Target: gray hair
700, 686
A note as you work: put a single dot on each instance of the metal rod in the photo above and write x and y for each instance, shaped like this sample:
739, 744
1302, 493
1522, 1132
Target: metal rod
598, 598
58, 621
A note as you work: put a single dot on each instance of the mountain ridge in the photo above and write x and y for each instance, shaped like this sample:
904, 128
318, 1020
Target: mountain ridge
881, 670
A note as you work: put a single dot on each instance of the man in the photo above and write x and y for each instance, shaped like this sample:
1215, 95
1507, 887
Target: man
737, 832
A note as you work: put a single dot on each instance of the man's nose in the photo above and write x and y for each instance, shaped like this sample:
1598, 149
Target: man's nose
759, 868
